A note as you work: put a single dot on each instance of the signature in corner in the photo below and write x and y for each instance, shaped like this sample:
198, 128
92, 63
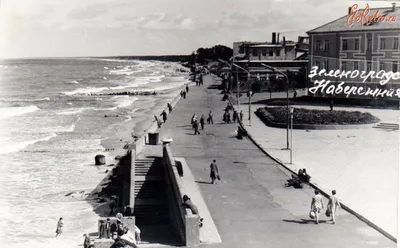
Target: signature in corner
365, 17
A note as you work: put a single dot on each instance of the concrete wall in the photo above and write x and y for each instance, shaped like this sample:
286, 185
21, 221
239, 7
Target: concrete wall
185, 223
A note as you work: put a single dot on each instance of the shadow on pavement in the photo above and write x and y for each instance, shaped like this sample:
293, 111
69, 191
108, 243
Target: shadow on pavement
304, 221
202, 182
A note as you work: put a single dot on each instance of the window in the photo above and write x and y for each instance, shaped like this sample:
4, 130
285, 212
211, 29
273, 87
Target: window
355, 65
278, 52
383, 43
271, 53
369, 45
357, 44
344, 45
241, 49
326, 65
255, 52
326, 45
318, 45
344, 67
381, 66
396, 43
369, 66
395, 66
264, 52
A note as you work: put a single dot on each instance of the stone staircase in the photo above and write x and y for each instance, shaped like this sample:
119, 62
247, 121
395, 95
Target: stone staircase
151, 208
387, 126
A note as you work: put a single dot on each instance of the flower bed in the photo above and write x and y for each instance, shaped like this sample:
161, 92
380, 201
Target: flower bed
315, 117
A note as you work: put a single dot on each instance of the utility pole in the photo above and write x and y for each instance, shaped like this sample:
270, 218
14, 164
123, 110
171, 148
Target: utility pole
194, 77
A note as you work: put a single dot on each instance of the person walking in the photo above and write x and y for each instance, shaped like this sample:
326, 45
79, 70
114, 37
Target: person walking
108, 229
194, 117
333, 203
214, 174
60, 225
294, 94
187, 88
164, 116
184, 94
317, 205
235, 116
196, 127
241, 115
169, 107
202, 122
210, 118
331, 105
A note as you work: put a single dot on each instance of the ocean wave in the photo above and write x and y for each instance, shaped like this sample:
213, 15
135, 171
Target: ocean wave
15, 111
71, 111
125, 101
10, 99
74, 82
85, 91
9, 147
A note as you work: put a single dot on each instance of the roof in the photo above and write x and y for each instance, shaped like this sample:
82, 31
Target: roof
268, 61
273, 45
340, 25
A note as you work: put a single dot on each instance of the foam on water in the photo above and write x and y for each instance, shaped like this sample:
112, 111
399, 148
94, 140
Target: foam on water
15, 111
9, 146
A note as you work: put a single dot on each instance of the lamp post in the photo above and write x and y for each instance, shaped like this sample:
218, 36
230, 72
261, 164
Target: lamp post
287, 101
291, 133
194, 77
250, 83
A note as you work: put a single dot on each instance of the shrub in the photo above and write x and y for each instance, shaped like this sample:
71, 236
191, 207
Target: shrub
315, 116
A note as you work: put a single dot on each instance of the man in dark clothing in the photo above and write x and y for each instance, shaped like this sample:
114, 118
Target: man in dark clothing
169, 107
241, 115
235, 116
196, 127
164, 116
294, 94
187, 88
210, 118
214, 174
102, 230
108, 229
202, 122
331, 105
184, 94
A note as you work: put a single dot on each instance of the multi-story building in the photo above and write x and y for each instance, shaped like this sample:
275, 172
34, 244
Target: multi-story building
285, 55
349, 44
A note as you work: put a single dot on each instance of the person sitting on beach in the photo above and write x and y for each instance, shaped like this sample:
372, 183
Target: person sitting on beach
189, 204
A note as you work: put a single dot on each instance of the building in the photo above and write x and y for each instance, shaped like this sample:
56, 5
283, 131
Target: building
348, 44
284, 55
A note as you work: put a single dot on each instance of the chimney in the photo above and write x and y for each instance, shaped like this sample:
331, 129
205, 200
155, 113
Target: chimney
273, 38
393, 7
349, 10
277, 40
284, 40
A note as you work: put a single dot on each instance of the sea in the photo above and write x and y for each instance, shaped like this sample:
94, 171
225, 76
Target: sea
54, 115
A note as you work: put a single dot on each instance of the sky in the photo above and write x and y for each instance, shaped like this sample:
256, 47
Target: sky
72, 28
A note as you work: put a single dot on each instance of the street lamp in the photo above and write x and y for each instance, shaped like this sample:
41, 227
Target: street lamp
250, 93
287, 101
291, 133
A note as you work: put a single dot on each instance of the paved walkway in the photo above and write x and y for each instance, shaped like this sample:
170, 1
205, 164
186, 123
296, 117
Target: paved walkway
250, 206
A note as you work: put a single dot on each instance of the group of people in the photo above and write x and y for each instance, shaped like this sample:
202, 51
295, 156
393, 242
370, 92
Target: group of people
196, 124
185, 91
199, 80
164, 116
317, 205
236, 117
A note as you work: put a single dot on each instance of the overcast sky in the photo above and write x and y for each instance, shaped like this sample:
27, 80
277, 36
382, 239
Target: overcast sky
57, 28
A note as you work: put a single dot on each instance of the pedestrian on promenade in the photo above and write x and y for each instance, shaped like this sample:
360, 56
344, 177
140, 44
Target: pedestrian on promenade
187, 202
228, 116
333, 203
202, 122
214, 174
241, 115
316, 205
187, 88
235, 116
331, 105
194, 117
60, 224
210, 118
169, 107
184, 94
102, 230
108, 229
164, 116
294, 94
159, 123
304, 176
196, 127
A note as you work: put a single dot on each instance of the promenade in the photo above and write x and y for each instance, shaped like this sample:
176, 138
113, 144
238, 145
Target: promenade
250, 206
